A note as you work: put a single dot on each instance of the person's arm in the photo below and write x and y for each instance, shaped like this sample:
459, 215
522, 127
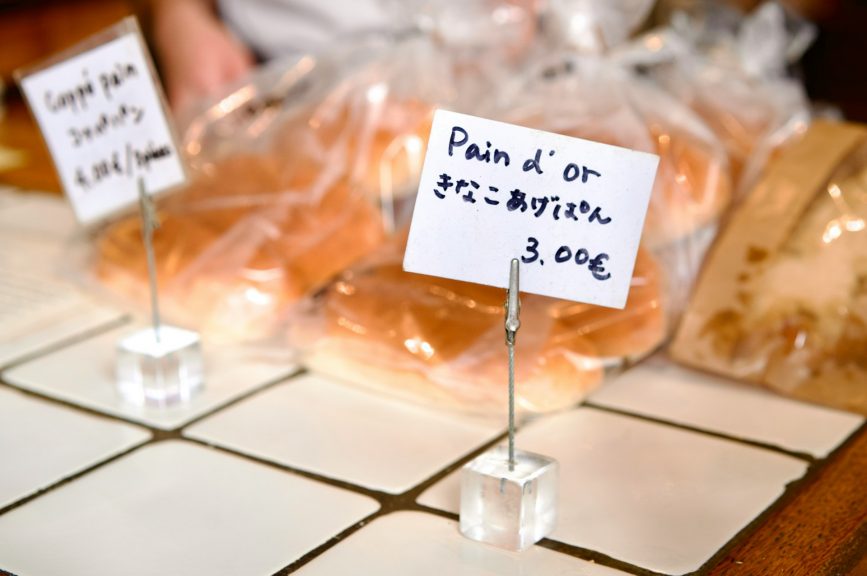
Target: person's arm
197, 51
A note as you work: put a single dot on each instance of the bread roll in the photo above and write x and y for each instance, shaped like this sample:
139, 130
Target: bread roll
442, 340
692, 185
240, 242
630, 333
378, 141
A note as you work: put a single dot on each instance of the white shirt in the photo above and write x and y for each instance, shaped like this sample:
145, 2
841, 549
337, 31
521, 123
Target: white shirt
284, 27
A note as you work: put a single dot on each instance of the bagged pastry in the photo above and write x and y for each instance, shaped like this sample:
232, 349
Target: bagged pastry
582, 87
593, 99
782, 300
239, 244
304, 168
441, 341
287, 178
733, 71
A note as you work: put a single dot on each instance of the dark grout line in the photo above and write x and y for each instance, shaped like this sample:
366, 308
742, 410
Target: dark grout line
436, 512
596, 557
415, 492
378, 495
76, 407
71, 340
138, 423
809, 458
292, 373
330, 543
407, 501
63, 481
156, 434
388, 502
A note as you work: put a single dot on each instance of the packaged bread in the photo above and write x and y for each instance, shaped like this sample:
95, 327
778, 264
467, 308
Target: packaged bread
440, 341
297, 172
239, 244
294, 176
583, 88
594, 99
782, 300
732, 70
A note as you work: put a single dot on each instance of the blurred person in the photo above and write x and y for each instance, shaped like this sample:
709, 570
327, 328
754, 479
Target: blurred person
205, 44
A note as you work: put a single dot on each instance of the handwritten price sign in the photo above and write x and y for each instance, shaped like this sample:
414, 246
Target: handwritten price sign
571, 210
105, 124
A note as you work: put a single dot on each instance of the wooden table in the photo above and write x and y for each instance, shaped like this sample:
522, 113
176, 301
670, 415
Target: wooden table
818, 528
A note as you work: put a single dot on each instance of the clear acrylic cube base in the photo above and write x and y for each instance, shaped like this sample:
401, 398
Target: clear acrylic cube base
511, 509
159, 372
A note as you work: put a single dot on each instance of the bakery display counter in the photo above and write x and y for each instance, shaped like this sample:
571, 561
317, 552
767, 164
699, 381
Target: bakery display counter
273, 470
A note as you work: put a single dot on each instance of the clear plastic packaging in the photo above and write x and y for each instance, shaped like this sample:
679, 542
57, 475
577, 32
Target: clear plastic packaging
594, 99
284, 194
299, 171
587, 87
442, 342
782, 300
732, 70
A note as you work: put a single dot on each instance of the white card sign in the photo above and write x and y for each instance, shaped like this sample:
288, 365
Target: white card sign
102, 116
571, 210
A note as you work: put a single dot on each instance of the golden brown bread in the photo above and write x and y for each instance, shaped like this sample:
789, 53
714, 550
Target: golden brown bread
629, 333
376, 143
253, 232
442, 340
241, 242
693, 185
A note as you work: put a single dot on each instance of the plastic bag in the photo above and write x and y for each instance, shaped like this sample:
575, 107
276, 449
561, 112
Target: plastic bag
297, 172
240, 244
732, 71
783, 298
441, 341
587, 89
590, 98
284, 170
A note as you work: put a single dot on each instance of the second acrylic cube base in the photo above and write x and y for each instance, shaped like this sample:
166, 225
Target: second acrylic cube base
160, 371
511, 509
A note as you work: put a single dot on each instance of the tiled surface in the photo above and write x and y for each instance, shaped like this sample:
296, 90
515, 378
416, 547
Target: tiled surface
82, 320
661, 389
38, 308
648, 494
42, 443
340, 432
423, 545
175, 508
46, 216
84, 374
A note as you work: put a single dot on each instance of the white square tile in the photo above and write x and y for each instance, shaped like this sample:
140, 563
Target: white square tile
648, 494
42, 335
315, 424
427, 545
41, 443
661, 389
38, 309
175, 508
84, 374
